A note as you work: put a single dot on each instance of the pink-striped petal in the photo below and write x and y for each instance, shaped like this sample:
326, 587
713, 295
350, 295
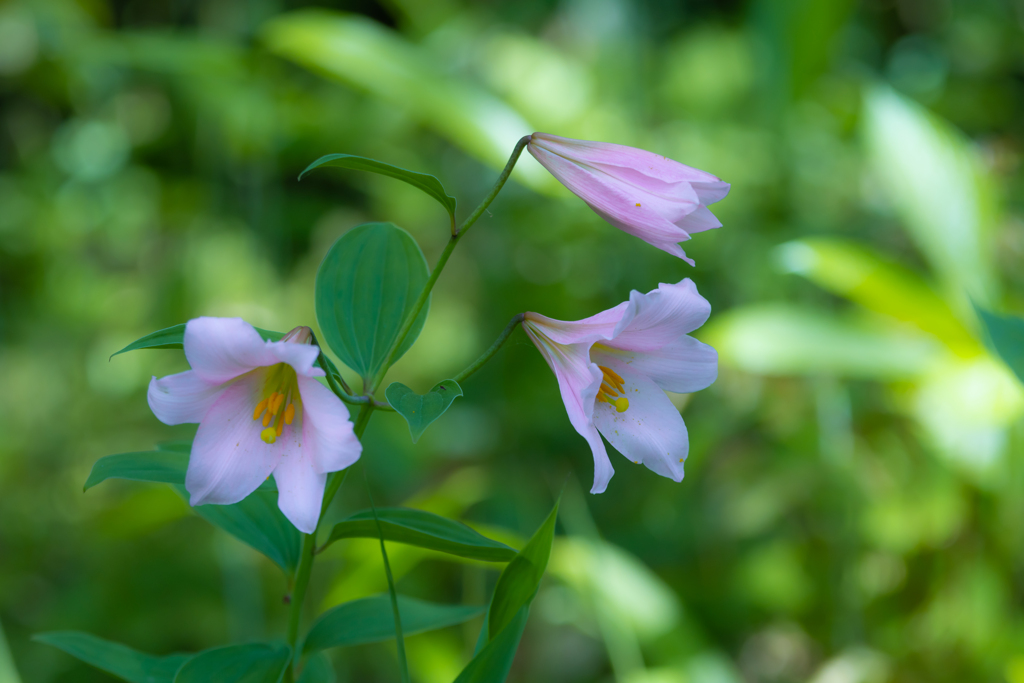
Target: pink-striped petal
327, 431
220, 349
181, 398
595, 328
229, 459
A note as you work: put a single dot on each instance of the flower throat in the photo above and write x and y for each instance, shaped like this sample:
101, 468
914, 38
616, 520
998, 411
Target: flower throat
279, 403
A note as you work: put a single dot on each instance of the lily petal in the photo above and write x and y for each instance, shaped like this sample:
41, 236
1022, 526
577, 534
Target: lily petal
300, 356
595, 328
229, 459
220, 349
578, 382
300, 487
181, 398
682, 366
650, 431
661, 316
327, 431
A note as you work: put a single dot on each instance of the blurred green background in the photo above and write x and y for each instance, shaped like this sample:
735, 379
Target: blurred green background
853, 505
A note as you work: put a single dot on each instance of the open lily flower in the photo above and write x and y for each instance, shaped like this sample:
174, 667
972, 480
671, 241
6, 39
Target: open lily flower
260, 412
652, 197
613, 370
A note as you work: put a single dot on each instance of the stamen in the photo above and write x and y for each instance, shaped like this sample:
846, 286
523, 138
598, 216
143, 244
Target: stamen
260, 407
289, 413
280, 426
267, 417
612, 390
278, 400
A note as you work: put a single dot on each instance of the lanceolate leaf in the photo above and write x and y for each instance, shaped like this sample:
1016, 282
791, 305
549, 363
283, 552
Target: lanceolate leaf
1007, 336
318, 669
366, 285
423, 529
115, 658
422, 181
250, 663
421, 410
519, 582
257, 521
160, 466
174, 338
492, 663
166, 465
369, 620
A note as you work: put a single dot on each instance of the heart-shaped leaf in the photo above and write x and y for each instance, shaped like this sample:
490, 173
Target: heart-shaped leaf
115, 658
421, 181
366, 286
419, 411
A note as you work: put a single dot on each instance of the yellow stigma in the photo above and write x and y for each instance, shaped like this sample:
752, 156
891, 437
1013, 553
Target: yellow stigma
279, 402
613, 389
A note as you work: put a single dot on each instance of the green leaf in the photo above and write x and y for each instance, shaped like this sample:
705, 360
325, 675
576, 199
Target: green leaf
941, 189
422, 181
420, 410
258, 522
1007, 336
425, 530
160, 466
318, 669
519, 582
174, 338
250, 663
369, 620
492, 663
115, 658
365, 287
878, 284
166, 465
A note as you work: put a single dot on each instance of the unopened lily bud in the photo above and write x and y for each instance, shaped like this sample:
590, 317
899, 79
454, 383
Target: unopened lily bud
652, 197
299, 335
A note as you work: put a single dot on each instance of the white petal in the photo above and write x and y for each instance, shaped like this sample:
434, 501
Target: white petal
184, 397
661, 316
300, 487
229, 459
220, 349
682, 366
327, 430
650, 431
300, 356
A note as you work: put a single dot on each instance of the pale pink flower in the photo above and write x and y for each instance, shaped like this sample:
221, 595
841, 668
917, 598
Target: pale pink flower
613, 370
260, 411
652, 197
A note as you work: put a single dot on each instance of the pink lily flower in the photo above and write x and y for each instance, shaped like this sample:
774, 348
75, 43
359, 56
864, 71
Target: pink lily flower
260, 412
613, 370
652, 197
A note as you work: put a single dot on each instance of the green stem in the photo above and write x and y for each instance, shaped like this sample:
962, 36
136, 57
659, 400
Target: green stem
443, 259
342, 391
308, 552
478, 363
